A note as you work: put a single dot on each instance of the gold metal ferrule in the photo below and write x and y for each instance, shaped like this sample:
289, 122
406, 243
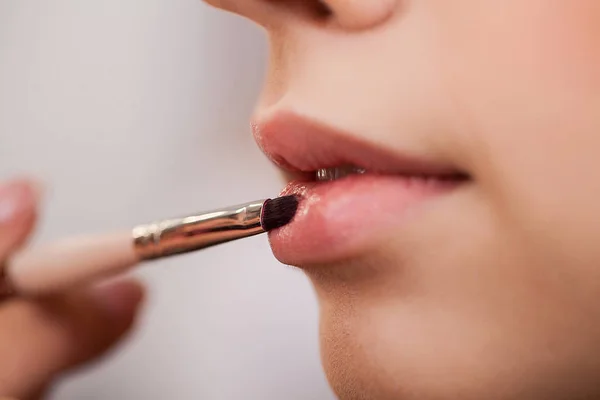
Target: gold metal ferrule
182, 235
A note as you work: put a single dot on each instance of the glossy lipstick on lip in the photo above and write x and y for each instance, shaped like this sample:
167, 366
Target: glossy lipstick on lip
338, 217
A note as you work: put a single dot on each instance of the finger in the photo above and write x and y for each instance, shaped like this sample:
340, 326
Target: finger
18, 202
39, 340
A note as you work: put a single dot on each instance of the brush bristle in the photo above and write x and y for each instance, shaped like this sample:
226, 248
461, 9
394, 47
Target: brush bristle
279, 212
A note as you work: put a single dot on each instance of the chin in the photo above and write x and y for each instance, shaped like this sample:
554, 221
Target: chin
386, 332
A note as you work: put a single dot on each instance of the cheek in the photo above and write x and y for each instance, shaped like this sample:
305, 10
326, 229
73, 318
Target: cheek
520, 68
526, 84
534, 39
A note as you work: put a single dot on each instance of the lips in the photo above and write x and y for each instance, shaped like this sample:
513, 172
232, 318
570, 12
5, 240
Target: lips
340, 218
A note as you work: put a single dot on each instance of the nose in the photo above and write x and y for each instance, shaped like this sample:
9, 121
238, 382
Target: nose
344, 14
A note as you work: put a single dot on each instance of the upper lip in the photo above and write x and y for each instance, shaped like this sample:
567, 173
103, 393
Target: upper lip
298, 144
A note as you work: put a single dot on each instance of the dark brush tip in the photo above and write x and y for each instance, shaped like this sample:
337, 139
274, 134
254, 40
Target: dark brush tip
279, 212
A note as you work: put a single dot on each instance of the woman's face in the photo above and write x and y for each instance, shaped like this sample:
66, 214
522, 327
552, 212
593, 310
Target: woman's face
465, 264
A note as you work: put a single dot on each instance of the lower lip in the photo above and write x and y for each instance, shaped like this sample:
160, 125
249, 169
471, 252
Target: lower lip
339, 219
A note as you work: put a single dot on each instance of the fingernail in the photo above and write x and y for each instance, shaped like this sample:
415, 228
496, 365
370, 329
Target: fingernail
120, 299
16, 198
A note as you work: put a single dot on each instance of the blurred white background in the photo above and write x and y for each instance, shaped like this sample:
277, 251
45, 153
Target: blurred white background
132, 110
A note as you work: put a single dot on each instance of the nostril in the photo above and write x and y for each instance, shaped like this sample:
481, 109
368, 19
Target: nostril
318, 9
313, 8
322, 9
345, 14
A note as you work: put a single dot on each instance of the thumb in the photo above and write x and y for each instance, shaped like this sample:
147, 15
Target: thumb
41, 339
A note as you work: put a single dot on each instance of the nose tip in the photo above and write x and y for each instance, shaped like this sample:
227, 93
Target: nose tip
344, 14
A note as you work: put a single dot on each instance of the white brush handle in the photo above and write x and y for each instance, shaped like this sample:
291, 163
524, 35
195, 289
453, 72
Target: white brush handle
70, 263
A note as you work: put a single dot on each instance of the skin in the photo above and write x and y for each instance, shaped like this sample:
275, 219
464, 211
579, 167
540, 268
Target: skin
40, 339
494, 293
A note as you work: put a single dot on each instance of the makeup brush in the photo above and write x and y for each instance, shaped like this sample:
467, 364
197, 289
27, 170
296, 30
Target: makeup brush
80, 260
